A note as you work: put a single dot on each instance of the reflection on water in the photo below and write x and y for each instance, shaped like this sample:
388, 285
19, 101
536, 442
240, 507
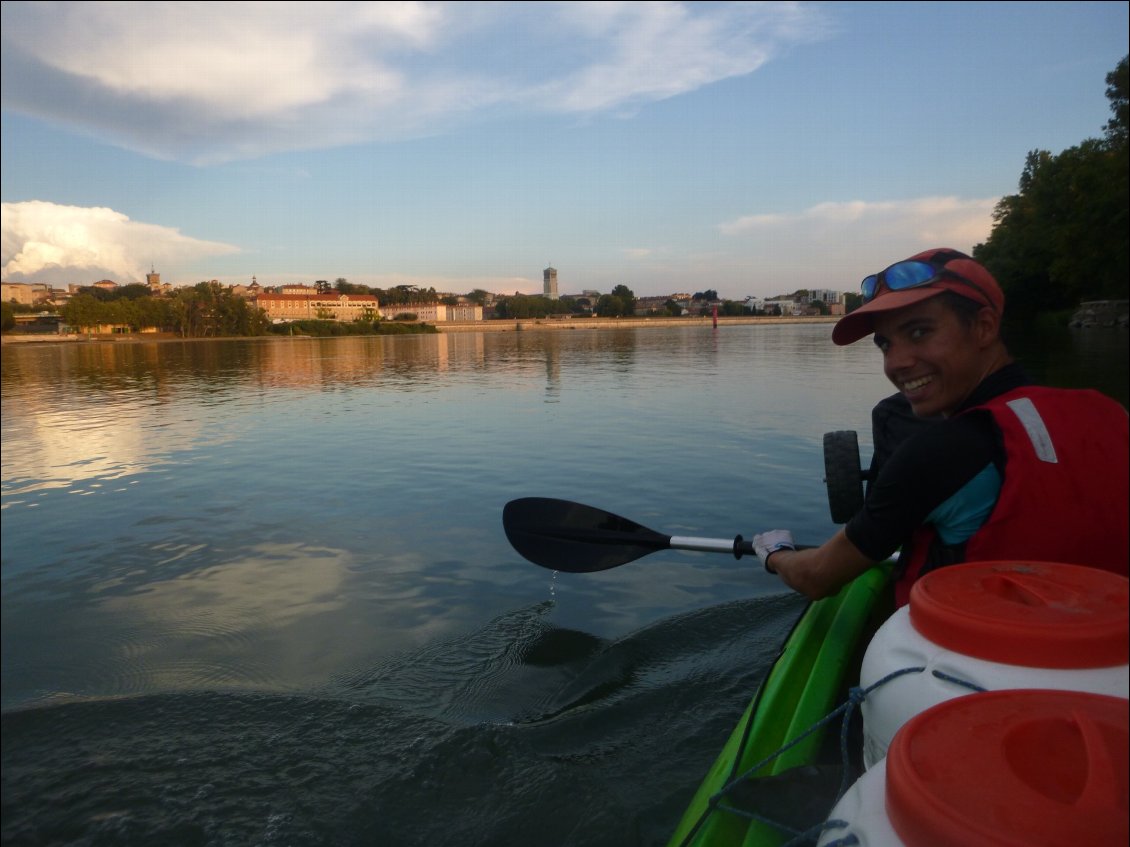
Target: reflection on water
193, 630
1077, 358
106, 411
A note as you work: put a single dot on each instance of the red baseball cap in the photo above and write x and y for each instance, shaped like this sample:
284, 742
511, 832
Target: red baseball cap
953, 271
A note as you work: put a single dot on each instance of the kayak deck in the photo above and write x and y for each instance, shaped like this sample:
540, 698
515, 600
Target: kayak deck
805, 684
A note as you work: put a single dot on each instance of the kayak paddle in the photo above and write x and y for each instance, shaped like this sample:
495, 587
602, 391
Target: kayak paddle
575, 538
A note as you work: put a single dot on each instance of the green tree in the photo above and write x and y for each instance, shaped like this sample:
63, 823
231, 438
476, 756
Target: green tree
608, 306
208, 310
399, 294
133, 291
99, 294
1118, 93
343, 286
621, 302
178, 310
614, 306
154, 312
7, 317
529, 306
732, 309
123, 312
83, 311
569, 306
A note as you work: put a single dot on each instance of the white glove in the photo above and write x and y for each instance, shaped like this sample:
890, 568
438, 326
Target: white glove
770, 542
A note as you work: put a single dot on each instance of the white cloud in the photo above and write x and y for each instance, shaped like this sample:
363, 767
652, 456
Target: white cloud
652, 51
844, 241
638, 252
241, 59
46, 242
209, 82
930, 220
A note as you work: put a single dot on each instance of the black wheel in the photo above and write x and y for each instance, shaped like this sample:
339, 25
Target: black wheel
842, 474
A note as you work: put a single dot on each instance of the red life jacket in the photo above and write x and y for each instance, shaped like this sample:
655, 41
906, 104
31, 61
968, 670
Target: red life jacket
1064, 496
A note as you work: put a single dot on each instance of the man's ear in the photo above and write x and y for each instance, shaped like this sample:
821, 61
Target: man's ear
987, 327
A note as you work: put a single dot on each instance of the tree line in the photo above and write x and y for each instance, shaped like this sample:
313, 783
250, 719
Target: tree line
204, 310
621, 302
397, 295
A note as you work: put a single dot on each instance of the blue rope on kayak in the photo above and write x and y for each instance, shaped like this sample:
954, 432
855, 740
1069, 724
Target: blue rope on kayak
856, 696
849, 840
964, 683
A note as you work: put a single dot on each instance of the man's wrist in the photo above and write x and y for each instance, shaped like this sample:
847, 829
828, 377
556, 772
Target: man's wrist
765, 544
768, 556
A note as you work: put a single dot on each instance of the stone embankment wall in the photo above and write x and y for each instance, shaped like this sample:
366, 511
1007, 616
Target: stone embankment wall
1101, 313
611, 323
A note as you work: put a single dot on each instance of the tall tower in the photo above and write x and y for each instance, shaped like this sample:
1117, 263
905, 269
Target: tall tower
153, 279
549, 286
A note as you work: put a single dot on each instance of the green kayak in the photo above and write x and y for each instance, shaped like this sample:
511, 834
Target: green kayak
809, 679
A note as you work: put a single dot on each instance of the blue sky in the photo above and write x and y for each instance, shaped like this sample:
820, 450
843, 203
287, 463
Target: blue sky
750, 148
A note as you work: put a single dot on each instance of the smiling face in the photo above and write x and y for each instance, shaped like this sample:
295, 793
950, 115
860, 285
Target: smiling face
936, 357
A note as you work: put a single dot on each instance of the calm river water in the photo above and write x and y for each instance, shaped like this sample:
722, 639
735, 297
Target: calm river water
258, 591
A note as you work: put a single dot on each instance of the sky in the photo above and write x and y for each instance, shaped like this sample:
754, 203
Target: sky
748, 148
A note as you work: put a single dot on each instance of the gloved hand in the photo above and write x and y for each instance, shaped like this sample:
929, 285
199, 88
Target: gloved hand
770, 542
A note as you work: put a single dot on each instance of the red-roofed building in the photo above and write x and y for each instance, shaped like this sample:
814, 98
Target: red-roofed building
330, 306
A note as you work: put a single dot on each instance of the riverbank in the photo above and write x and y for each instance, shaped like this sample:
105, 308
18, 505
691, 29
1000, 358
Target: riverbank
558, 324
104, 338
531, 325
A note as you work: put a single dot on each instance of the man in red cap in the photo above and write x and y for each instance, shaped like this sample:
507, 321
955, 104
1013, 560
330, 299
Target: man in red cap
1012, 471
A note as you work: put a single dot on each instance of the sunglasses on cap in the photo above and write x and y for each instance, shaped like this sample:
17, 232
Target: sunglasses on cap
917, 273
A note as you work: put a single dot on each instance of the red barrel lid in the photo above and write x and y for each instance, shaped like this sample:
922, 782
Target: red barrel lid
1035, 614
1016, 768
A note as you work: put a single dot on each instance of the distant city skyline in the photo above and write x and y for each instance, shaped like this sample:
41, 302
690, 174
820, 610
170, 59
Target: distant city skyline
154, 282
752, 149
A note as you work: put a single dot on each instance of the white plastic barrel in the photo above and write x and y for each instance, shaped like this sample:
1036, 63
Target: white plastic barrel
996, 625
1015, 768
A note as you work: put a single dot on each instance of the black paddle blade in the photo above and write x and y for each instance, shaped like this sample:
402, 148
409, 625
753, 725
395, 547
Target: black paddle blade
571, 537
